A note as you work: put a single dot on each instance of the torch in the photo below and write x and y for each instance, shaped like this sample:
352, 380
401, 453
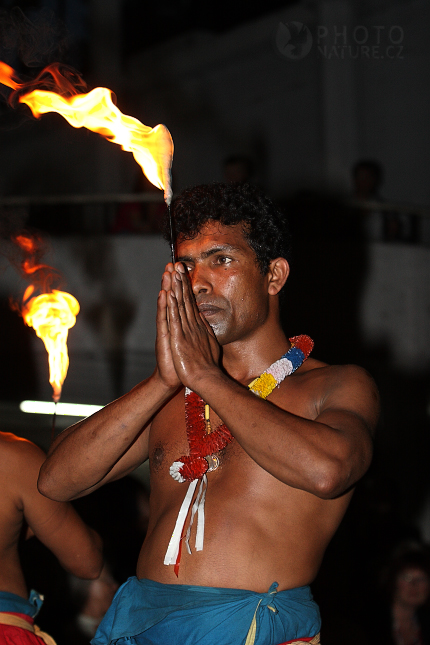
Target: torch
50, 314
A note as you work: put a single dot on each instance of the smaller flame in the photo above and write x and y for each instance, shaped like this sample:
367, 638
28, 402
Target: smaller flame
30, 265
52, 315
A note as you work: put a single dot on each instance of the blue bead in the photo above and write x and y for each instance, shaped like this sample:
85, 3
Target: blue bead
296, 356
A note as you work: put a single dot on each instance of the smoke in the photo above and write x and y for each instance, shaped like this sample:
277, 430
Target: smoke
12, 220
29, 42
24, 250
36, 42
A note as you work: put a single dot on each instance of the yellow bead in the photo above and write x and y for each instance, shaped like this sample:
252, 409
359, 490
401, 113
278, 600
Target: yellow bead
264, 385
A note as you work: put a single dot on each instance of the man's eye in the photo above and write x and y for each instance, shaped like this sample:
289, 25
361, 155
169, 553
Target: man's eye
223, 259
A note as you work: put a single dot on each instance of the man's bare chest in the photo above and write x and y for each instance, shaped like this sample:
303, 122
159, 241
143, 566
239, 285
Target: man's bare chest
169, 442
169, 439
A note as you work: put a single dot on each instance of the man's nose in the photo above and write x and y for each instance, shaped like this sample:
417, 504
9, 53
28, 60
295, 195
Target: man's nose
200, 280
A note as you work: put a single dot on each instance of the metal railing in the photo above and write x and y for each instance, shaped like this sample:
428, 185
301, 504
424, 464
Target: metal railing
97, 198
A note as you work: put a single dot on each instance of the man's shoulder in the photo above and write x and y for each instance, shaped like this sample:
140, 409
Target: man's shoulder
337, 386
20, 461
316, 369
16, 450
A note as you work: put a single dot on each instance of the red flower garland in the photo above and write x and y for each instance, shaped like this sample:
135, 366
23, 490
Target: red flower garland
201, 443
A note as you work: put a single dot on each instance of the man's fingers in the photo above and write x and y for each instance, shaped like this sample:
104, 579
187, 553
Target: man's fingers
188, 295
166, 281
176, 325
161, 317
185, 300
177, 289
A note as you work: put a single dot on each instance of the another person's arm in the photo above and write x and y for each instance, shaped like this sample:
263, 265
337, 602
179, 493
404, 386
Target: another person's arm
56, 524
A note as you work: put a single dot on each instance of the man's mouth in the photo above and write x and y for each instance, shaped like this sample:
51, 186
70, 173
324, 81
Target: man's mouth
208, 310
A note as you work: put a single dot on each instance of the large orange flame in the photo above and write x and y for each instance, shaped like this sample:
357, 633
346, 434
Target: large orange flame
152, 148
51, 315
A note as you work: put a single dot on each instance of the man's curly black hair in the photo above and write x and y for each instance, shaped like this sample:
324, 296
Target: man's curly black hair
265, 227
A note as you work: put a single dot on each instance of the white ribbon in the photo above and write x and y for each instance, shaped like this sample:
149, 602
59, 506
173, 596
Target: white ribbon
173, 548
199, 507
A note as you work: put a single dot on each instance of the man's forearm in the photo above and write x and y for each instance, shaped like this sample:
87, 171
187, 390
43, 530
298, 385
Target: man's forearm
321, 456
104, 446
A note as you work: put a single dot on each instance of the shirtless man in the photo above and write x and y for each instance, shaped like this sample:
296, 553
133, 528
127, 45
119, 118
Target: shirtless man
277, 486
56, 524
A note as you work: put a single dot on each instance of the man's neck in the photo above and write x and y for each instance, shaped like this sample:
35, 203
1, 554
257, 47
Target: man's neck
247, 358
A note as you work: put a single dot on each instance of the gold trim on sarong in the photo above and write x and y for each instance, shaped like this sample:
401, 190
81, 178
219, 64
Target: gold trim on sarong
250, 638
17, 621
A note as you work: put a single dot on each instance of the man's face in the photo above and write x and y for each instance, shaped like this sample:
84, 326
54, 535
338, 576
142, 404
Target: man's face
229, 288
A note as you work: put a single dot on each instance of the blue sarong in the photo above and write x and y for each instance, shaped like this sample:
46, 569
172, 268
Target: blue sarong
10, 602
144, 612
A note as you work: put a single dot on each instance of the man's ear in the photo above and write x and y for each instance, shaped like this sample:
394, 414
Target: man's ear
278, 273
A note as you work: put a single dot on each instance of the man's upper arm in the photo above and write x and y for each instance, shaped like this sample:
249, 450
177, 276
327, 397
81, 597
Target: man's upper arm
352, 391
351, 407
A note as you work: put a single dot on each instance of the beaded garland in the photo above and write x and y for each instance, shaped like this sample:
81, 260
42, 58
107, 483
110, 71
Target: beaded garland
301, 347
204, 442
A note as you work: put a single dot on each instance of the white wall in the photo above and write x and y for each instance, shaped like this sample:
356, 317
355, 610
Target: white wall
395, 306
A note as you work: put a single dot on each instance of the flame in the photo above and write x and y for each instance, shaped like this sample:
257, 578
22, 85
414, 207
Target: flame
152, 148
30, 264
52, 315
6, 76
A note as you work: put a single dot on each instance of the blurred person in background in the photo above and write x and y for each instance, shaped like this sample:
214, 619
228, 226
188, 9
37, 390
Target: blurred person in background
380, 224
25, 512
137, 217
367, 178
403, 616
